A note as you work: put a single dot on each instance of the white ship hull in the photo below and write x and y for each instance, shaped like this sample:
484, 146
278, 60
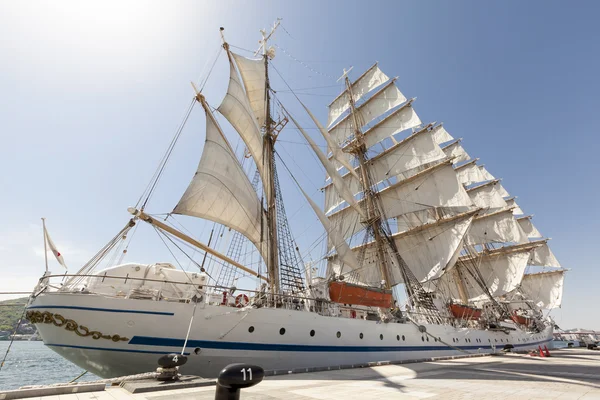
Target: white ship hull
221, 335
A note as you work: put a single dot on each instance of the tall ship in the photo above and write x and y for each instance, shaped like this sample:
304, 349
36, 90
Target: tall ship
425, 254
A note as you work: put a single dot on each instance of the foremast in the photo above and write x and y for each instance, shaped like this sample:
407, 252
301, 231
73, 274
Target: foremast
376, 220
373, 214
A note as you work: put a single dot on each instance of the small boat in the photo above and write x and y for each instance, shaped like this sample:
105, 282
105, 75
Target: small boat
465, 312
347, 293
523, 320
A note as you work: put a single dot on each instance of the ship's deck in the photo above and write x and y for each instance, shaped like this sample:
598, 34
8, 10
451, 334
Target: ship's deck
568, 374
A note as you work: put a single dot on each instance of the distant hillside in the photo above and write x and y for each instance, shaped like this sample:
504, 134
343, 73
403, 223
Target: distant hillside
9, 317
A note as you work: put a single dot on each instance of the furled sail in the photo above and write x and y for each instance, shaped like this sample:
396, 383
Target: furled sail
220, 190
427, 250
530, 230
501, 272
469, 173
335, 239
236, 108
434, 187
368, 81
542, 256
381, 102
545, 289
254, 78
338, 181
487, 196
414, 151
499, 227
456, 151
339, 156
515, 207
440, 135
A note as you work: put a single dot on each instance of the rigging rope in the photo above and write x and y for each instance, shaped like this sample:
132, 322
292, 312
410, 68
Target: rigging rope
12, 339
305, 65
157, 175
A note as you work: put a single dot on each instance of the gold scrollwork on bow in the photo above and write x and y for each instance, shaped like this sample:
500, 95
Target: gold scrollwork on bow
38, 317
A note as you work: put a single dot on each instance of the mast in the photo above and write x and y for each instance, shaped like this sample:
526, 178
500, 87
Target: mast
373, 215
268, 161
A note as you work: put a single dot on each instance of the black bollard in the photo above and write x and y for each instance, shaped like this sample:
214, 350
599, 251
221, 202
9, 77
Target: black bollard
234, 377
169, 366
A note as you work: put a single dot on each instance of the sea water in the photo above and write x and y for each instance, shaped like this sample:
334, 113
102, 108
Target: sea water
32, 363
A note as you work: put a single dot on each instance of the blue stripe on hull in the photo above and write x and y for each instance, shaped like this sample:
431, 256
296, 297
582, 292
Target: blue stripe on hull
172, 342
106, 310
105, 349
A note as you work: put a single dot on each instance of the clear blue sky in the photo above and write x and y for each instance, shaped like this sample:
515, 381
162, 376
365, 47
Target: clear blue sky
91, 93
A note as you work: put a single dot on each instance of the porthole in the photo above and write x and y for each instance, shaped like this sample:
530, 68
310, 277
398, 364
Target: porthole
381, 337
496, 340
197, 350
312, 332
489, 340
360, 336
428, 338
282, 331
403, 338
435, 339
398, 337
422, 339
338, 334
251, 329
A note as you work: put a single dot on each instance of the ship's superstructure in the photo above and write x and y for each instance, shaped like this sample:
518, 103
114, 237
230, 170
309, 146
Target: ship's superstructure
426, 255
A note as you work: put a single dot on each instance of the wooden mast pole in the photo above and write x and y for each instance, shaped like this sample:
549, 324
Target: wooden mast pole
373, 217
268, 163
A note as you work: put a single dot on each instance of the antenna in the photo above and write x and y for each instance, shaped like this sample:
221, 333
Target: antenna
263, 43
344, 74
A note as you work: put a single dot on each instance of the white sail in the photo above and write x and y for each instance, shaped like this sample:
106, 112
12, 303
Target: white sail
220, 190
545, 289
469, 173
542, 256
515, 207
435, 187
401, 119
414, 151
502, 191
499, 227
236, 108
440, 135
381, 102
338, 181
254, 77
338, 155
529, 229
501, 272
426, 250
486, 175
456, 151
486, 196
334, 238
368, 81
430, 249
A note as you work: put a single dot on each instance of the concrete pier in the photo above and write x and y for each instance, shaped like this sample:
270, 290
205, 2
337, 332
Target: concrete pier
568, 374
